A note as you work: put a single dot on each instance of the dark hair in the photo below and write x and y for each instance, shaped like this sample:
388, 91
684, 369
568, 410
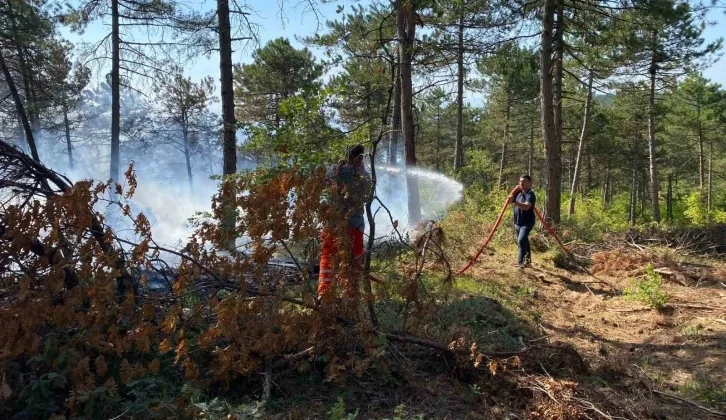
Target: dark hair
356, 151
527, 177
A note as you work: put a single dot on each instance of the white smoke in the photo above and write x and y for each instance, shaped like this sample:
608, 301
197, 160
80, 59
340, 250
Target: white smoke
164, 194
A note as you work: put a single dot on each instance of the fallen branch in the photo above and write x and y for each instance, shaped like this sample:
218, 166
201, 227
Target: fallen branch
700, 307
683, 400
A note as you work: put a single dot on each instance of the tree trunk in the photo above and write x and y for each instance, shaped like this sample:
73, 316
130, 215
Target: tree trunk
701, 159
406, 23
31, 103
228, 120
583, 139
438, 140
395, 119
551, 141
530, 161
588, 181
651, 143
67, 127
557, 84
503, 160
225, 67
709, 198
606, 187
19, 107
459, 152
502, 164
643, 192
633, 183
185, 134
115, 92
669, 199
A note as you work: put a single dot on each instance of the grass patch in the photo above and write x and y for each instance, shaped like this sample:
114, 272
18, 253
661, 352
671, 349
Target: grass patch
338, 412
658, 377
705, 388
692, 332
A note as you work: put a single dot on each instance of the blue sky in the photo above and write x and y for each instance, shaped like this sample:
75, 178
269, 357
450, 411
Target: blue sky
294, 18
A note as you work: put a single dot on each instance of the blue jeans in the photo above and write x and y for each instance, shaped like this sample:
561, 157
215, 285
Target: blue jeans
525, 255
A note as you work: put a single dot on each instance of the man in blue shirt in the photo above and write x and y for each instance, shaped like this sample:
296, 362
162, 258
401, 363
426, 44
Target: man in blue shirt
523, 199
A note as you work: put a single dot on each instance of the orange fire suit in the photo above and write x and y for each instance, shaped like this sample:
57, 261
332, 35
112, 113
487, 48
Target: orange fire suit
357, 182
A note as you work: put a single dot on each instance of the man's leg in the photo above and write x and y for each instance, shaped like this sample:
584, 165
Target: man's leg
327, 270
523, 243
356, 237
520, 252
528, 249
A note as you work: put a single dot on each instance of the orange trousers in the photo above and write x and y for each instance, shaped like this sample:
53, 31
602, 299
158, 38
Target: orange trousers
326, 279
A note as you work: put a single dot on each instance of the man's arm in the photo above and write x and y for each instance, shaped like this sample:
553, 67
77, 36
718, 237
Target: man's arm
526, 205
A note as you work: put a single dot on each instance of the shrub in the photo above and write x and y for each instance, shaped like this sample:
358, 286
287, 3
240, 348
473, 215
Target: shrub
648, 290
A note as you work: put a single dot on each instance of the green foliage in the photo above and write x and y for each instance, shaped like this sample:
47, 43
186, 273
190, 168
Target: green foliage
696, 211
705, 388
648, 290
338, 412
399, 413
592, 220
278, 72
218, 409
478, 172
306, 139
692, 332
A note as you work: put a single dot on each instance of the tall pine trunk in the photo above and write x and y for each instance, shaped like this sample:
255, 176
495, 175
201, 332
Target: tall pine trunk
225, 68
606, 187
588, 181
67, 128
19, 107
503, 160
115, 92
459, 151
438, 140
406, 23
187, 158
669, 199
551, 142
709, 197
31, 104
557, 84
395, 118
530, 160
228, 120
581, 145
701, 158
632, 208
654, 187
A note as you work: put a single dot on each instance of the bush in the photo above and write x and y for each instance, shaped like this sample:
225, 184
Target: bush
648, 290
592, 220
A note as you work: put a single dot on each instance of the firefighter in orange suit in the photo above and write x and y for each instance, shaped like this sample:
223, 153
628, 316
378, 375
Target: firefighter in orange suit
353, 184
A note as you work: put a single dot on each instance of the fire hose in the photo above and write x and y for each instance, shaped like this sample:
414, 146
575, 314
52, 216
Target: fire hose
496, 226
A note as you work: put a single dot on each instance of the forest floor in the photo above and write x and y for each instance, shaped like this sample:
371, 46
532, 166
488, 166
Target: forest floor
588, 349
679, 349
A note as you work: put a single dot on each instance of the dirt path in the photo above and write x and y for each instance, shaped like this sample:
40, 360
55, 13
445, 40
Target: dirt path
680, 349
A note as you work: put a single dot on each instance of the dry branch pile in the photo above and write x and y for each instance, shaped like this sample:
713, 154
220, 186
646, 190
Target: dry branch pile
707, 239
77, 304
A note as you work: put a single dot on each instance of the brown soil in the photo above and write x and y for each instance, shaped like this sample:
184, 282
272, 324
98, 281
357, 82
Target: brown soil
628, 346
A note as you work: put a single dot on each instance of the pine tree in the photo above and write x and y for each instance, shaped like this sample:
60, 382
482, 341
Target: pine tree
665, 42
184, 104
278, 72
